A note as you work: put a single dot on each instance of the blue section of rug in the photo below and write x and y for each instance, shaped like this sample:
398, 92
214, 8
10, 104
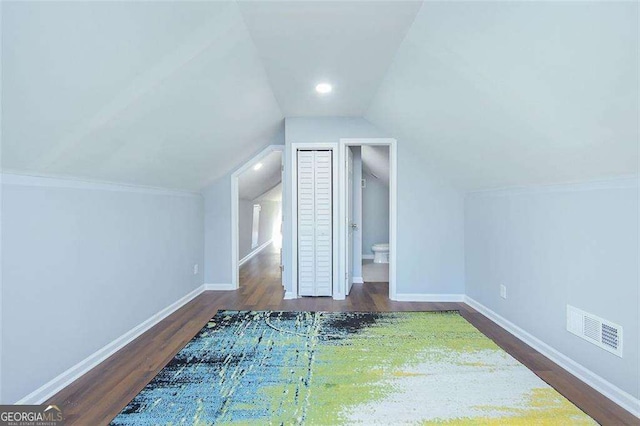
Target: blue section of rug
214, 378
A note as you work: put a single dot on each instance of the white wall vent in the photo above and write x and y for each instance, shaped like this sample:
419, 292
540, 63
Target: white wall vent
596, 330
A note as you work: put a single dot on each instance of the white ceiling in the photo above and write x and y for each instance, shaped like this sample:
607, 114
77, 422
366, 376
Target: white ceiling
254, 183
348, 43
497, 94
168, 94
175, 94
274, 194
375, 161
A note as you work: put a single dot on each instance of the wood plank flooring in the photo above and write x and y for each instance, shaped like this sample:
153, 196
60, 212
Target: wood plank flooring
98, 396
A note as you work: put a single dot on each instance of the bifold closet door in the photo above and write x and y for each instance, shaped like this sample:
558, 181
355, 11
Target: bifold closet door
315, 209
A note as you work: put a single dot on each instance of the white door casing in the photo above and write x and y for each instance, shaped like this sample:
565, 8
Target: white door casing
342, 202
349, 220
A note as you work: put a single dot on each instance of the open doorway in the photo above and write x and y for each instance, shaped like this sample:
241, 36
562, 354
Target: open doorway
368, 217
374, 209
257, 214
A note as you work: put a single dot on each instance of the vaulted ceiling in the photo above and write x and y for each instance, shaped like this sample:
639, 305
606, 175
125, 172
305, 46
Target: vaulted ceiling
497, 94
175, 94
169, 94
255, 182
376, 162
349, 43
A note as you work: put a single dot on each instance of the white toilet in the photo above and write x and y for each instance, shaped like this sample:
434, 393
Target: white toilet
380, 253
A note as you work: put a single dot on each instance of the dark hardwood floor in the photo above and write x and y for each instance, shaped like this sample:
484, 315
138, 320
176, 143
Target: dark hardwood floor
98, 396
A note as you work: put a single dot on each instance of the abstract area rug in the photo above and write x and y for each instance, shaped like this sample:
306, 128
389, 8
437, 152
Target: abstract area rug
346, 368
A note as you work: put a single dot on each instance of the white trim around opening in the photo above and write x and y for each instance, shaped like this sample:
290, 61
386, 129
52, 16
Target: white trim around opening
235, 261
393, 204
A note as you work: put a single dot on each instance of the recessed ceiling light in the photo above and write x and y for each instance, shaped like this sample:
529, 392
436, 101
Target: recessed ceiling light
323, 88
257, 166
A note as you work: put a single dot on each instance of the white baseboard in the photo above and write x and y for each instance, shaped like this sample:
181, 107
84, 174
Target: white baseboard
358, 280
254, 252
617, 395
420, 297
219, 287
608, 389
367, 256
63, 380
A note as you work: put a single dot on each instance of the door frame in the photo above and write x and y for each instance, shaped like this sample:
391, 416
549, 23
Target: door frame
393, 204
349, 220
337, 287
235, 226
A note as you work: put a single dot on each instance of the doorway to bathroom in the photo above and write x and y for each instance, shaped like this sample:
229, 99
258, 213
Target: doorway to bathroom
368, 214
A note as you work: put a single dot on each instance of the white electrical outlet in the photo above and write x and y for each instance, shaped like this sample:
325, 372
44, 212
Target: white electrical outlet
503, 291
195, 269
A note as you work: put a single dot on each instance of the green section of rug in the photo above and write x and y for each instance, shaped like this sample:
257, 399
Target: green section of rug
346, 368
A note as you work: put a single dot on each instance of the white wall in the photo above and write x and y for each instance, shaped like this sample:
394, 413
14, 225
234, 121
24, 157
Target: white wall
83, 264
245, 226
558, 245
430, 229
269, 215
430, 211
375, 213
217, 232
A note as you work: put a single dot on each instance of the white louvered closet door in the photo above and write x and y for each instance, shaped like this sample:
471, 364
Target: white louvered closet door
315, 255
